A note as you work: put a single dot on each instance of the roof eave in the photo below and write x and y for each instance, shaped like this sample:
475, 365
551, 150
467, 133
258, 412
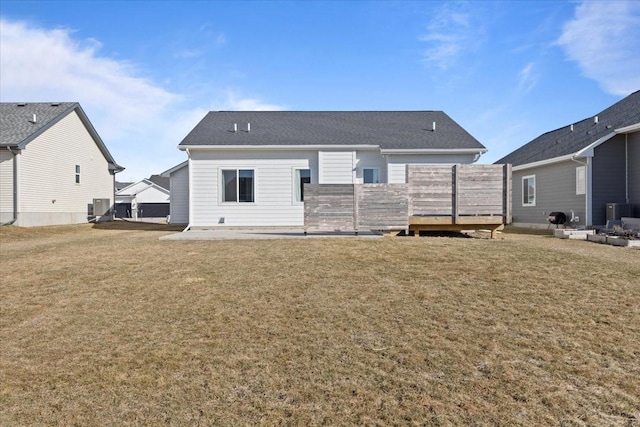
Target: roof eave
278, 147
435, 151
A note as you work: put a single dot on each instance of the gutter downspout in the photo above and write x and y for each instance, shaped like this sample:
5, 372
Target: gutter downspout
587, 192
189, 188
15, 189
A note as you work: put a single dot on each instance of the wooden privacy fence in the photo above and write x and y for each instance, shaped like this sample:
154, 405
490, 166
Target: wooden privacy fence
435, 197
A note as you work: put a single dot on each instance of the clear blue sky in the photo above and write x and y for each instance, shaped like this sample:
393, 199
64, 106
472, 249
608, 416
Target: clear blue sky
147, 71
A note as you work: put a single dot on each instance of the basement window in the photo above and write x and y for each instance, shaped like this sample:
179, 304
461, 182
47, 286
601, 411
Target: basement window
77, 174
529, 190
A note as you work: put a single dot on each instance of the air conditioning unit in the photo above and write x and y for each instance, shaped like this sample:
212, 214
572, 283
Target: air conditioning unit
615, 211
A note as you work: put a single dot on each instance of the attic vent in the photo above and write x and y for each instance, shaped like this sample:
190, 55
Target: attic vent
55, 104
595, 120
22, 104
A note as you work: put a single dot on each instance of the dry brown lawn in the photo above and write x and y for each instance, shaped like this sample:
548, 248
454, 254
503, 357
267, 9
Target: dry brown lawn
107, 325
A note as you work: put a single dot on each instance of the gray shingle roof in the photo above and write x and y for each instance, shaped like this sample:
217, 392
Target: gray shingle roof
564, 141
160, 181
400, 130
18, 128
16, 120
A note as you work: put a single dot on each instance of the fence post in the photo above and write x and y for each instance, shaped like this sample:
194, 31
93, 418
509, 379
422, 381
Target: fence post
456, 198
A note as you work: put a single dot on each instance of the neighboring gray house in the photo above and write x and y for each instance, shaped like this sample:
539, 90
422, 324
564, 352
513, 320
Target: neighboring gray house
53, 165
588, 170
248, 169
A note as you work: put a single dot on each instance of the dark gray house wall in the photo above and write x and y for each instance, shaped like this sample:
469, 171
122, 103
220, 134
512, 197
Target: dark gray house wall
633, 147
609, 180
555, 191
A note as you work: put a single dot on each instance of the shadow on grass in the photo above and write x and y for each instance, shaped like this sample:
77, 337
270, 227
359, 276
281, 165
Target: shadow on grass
136, 226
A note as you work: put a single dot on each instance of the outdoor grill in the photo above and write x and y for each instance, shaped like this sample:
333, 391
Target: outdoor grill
557, 218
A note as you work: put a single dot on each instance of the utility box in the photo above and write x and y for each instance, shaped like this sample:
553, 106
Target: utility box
102, 209
615, 211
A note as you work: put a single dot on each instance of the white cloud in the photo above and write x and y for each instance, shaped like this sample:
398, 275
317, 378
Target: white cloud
450, 35
603, 38
235, 103
140, 121
527, 78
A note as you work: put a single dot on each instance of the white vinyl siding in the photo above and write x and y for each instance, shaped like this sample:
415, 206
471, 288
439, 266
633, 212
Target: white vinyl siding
6, 186
273, 204
179, 209
336, 167
48, 192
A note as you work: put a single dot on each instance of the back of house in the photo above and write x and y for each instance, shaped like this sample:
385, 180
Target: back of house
248, 169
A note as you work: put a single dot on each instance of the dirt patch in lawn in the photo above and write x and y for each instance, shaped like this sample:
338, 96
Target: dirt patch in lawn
111, 326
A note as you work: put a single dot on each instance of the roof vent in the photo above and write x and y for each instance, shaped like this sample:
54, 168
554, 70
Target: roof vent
22, 104
595, 120
34, 119
572, 128
55, 104
608, 126
433, 127
235, 127
248, 127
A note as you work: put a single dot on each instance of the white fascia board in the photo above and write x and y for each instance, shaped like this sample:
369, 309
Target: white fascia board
174, 169
335, 147
544, 162
629, 129
435, 151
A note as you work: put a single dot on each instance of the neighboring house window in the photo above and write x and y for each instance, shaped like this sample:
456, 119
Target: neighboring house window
237, 185
371, 176
302, 176
581, 182
77, 174
529, 190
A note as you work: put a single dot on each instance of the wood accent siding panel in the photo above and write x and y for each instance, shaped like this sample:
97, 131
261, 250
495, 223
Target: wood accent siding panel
47, 174
6, 186
555, 191
480, 189
430, 189
609, 177
382, 206
329, 207
179, 207
336, 167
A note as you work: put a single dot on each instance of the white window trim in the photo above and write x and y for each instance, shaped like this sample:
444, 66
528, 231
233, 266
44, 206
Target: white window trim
535, 191
294, 183
221, 186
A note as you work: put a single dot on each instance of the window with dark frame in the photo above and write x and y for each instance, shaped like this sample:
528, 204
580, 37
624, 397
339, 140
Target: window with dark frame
371, 176
303, 176
77, 174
